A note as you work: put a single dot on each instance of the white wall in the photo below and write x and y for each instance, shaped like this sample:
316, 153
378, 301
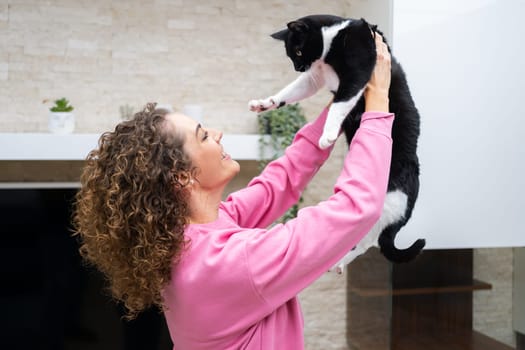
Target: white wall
465, 65
377, 12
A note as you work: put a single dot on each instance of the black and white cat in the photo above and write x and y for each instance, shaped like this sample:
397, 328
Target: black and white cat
340, 54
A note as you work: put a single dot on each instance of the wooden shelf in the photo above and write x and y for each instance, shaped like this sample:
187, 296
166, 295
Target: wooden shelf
431, 341
375, 292
425, 304
451, 341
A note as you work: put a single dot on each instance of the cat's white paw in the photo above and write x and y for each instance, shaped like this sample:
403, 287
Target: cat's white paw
370, 240
339, 268
326, 141
262, 105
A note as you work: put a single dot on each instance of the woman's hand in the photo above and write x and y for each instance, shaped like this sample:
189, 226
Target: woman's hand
376, 93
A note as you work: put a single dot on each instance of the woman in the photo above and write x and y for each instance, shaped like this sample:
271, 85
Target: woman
150, 217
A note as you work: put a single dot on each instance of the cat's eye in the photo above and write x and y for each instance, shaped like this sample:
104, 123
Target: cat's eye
298, 52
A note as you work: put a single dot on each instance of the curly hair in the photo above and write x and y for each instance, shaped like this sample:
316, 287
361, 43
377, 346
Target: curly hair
131, 210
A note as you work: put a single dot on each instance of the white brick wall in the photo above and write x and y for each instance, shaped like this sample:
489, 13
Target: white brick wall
101, 55
104, 54
493, 308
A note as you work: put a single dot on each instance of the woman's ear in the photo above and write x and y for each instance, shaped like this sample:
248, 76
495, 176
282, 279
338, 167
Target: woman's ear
183, 179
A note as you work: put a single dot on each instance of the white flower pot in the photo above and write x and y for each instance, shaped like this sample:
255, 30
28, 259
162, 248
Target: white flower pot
61, 122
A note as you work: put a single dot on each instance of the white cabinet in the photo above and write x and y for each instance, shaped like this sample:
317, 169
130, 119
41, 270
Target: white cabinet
43, 146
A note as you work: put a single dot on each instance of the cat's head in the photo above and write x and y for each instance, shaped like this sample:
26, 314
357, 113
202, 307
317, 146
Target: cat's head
303, 38
303, 41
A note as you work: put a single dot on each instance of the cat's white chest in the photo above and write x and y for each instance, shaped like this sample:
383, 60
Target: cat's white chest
330, 77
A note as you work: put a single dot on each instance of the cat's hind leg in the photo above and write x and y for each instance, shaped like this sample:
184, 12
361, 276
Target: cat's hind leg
394, 210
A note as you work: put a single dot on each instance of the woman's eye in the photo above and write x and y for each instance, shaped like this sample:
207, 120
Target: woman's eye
298, 53
205, 136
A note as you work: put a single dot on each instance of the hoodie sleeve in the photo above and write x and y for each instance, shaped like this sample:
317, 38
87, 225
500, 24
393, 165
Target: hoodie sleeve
289, 257
279, 186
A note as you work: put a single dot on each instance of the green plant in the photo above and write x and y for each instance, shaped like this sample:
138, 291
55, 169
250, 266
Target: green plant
61, 105
277, 129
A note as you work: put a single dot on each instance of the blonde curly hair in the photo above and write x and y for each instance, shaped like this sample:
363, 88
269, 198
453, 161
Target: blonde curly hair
131, 210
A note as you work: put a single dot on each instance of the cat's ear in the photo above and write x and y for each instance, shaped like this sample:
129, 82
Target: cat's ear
298, 26
372, 27
280, 35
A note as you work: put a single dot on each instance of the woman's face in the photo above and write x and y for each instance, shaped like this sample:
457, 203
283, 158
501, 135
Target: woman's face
215, 168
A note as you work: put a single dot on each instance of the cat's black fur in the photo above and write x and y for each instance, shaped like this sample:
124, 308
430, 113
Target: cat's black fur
352, 55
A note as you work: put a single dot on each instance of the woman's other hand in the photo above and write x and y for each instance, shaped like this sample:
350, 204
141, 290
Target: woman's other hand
376, 93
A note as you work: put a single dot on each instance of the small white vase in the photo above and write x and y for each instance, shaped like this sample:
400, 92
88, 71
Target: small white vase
61, 122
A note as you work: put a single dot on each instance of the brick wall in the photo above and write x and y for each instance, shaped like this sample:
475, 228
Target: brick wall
493, 308
104, 54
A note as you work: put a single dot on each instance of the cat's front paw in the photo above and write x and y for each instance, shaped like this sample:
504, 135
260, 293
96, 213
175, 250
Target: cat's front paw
262, 105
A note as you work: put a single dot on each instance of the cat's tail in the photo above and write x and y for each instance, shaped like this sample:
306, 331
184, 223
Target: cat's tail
392, 253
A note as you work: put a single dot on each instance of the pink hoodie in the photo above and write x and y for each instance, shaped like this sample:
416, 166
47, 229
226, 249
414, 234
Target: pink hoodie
236, 285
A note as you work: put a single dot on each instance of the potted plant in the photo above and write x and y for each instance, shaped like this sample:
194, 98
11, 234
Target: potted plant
61, 118
277, 129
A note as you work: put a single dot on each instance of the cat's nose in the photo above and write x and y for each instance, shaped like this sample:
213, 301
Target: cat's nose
299, 68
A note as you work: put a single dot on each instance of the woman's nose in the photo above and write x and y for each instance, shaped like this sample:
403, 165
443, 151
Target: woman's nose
217, 135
